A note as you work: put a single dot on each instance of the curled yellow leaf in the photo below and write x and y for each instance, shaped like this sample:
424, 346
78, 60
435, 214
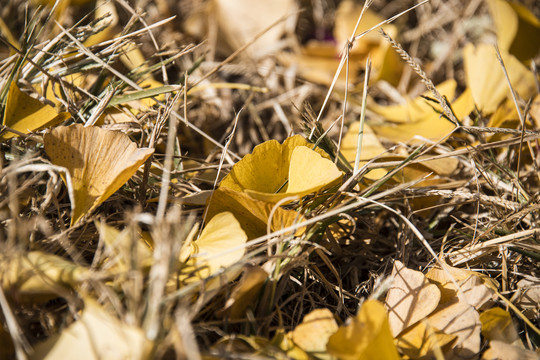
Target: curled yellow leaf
275, 171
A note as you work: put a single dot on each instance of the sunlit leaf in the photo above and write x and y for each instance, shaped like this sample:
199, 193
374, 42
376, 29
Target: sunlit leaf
499, 350
417, 109
433, 126
252, 214
371, 147
127, 249
318, 62
219, 245
386, 62
275, 171
99, 162
313, 333
40, 275
96, 335
528, 298
423, 340
462, 320
26, 114
366, 336
411, 298
478, 289
106, 12
518, 30
483, 71
256, 16
497, 324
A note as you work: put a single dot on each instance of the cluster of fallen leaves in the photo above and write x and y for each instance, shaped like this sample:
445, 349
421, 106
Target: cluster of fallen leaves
281, 208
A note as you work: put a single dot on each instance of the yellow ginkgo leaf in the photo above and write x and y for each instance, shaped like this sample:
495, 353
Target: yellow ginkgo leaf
96, 335
411, 298
386, 62
416, 109
318, 63
501, 350
125, 248
40, 275
244, 294
257, 16
371, 147
518, 30
478, 289
422, 341
275, 171
108, 16
462, 320
483, 71
26, 114
219, 245
99, 161
309, 171
252, 214
367, 336
312, 334
497, 324
433, 126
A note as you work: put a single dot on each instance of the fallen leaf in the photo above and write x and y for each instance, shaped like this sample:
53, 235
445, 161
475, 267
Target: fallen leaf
462, 320
126, 249
433, 126
518, 30
417, 109
319, 67
423, 340
256, 16
96, 335
385, 60
411, 298
371, 147
40, 275
366, 336
497, 325
252, 214
274, 171
219, 245
99, 162
499, 350
26, 114
313, 333
528, 297
483, 71
244, 294
318, 61
478, 289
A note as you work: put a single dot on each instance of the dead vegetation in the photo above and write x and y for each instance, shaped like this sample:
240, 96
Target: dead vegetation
156, 202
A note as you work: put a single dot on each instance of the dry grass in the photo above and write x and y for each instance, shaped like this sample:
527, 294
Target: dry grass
486, 218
